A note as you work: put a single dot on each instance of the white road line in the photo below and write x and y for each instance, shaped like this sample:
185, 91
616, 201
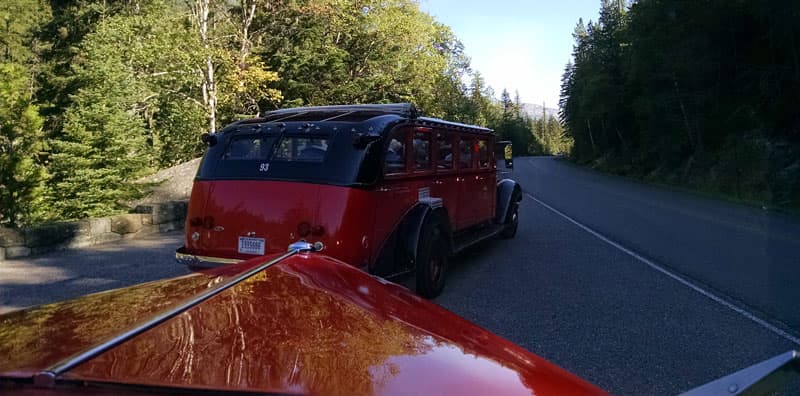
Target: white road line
676, 277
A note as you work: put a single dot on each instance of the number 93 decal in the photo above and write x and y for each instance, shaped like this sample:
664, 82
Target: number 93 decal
263, 168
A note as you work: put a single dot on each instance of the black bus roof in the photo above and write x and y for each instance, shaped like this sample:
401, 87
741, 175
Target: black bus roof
359, 113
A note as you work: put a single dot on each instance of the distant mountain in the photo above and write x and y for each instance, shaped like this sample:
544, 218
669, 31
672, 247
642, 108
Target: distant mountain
535, 111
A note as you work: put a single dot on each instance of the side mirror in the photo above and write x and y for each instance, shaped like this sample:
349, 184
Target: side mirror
209, 139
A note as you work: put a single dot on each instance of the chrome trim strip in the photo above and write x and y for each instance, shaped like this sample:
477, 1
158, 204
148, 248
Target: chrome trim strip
194, 260
46, 378
304, 246
759, 379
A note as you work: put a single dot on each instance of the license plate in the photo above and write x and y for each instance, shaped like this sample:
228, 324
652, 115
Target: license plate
251, 246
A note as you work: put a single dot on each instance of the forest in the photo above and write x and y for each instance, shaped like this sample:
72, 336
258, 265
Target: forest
698, 94
98, 93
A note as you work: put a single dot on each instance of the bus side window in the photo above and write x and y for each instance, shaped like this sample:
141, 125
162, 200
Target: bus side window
422, 151
465, 153
395, 156
444, 154
483, 154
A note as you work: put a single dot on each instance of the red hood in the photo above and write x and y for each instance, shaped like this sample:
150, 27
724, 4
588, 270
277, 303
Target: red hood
308, 325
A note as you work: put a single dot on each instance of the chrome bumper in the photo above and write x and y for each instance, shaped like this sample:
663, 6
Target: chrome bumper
193, 260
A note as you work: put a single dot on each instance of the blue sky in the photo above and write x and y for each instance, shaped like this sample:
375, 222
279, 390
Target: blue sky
516, 44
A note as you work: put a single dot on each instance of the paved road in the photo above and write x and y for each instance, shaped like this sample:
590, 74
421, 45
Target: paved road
594, 309
72, 273
564, 293
750, 255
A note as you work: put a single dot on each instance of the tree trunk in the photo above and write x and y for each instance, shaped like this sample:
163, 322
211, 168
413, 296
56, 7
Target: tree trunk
201, 9
591, 138
248, 13
212, 95
685, 117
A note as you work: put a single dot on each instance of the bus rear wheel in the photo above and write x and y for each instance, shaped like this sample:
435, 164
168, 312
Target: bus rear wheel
431, 261
512, 223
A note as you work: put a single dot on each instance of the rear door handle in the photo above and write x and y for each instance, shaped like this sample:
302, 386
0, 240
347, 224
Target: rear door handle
394, 191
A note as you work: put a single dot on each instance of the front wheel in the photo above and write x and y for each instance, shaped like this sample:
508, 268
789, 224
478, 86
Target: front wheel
431, 261
512, 222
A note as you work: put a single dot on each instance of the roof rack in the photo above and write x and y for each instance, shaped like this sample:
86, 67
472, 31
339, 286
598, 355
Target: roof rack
458, 125
325, 113
405, 109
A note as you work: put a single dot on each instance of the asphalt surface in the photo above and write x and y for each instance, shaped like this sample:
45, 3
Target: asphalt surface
71, 273
748, 254
606, 315
589, 305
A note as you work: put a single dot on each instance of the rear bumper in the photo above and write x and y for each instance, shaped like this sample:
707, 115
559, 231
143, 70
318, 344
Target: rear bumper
194, 260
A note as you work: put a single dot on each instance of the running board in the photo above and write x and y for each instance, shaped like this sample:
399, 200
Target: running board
468, 239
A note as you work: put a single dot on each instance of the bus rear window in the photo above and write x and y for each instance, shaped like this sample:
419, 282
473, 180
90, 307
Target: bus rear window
249, 148
313, 157
293, 148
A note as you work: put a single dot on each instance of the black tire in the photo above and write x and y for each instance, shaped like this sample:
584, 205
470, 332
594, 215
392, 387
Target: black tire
431, 261
512, 222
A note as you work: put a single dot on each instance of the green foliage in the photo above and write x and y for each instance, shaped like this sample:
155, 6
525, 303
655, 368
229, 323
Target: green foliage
684, 91
111, 90
356, 51
243, 89
60, 37
134, 64
175, 127
511, 124
449, 91
550, 135
19, 21
21, 176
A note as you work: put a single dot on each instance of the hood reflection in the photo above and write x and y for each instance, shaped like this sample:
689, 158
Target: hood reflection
305, 326
271, 332
35, 338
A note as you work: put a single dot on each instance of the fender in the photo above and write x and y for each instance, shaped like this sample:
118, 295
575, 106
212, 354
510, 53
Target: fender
508, 191
403, 242
425, 210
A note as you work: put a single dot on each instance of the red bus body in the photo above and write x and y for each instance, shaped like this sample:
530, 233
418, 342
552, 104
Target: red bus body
370, 168
273, 210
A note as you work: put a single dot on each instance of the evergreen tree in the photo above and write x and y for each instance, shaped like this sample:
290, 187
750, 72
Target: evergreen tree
507, 105
21, 138
517, 104
19, 22
480, 101
697, 93
133, 65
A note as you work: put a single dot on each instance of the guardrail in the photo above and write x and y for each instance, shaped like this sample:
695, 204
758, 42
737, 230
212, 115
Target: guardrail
147, 219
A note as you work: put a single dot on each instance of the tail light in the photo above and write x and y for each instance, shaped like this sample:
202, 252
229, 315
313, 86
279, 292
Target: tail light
303, 229
196, 222
208, 222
